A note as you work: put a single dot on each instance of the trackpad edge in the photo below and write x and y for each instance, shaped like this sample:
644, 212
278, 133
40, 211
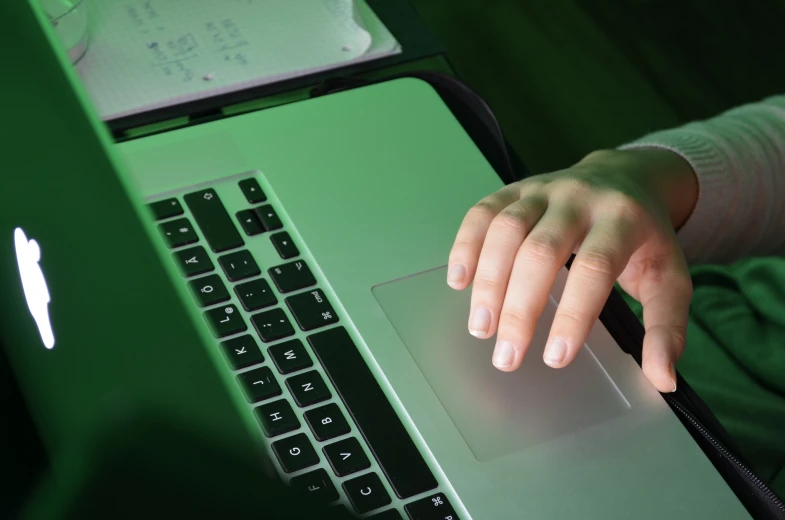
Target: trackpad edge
496, 413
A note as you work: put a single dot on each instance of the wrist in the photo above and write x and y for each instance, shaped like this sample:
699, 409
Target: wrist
677, 181
661, 172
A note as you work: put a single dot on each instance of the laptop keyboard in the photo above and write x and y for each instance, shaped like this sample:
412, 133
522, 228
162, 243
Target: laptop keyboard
328, 424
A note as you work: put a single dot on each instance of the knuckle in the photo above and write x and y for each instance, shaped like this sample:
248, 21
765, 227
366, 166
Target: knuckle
573, 187
532, 184
462, 244
542, 247
513, 317
679, 333
597, 263
569, 317
625, 207
486, 279
509, 221
484, 209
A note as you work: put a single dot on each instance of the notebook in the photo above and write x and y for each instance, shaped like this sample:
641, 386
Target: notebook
148, 54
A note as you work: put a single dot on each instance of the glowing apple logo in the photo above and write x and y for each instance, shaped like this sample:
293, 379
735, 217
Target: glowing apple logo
28, 254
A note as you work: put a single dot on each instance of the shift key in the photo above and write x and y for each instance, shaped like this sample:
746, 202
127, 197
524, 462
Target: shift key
216, 224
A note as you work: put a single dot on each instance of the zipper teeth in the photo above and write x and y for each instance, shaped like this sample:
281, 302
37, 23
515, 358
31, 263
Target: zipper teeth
750, 475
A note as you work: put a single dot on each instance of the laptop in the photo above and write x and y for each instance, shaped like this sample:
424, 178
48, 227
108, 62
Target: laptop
276, 281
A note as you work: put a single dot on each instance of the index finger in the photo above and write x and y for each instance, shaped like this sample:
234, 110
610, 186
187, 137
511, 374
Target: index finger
469, 240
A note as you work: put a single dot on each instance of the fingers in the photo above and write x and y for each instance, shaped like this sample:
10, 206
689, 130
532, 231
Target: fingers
537, 263
599, 261
468, 243
505, 235
665, 293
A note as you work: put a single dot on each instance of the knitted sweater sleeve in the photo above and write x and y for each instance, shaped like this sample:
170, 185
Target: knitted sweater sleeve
739, 159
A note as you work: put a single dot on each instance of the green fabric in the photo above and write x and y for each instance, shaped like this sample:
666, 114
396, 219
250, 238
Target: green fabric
735, 357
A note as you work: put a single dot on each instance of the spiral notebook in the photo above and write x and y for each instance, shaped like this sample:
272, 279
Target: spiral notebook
148, 54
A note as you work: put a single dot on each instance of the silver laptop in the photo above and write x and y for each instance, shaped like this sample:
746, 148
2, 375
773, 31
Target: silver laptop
277, 279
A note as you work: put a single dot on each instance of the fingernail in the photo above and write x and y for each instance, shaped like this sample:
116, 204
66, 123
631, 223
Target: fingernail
480, 322
672, 372
455, 274
503, 354
555, 352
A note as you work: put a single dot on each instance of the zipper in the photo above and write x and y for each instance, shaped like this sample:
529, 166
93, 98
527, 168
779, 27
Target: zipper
744, 470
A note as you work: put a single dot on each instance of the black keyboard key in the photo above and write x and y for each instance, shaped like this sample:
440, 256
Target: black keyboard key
435, 507
255, 295
284, 245
208, 290
290, 356
311, 309
272, 325
193, 261
225, 321
252, 191
259, 384
390, 514
212, 218
249, 222
366, 493
242, 352
166, 209
239, 265
277, 418
292, 276
376, 419
268, 217
308, 388
295, 453
178, 232
327, 422
346, 456
316, 485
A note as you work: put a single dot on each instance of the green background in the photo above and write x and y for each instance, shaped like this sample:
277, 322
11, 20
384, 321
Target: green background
570, 76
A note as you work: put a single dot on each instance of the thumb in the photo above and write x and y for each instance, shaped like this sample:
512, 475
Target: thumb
665, 291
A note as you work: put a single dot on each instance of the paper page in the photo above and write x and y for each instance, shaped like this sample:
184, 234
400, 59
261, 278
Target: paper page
147, 54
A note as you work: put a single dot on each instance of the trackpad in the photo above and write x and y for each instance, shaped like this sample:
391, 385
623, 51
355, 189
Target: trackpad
496, 412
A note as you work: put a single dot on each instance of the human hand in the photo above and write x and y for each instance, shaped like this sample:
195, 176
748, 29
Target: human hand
617, 211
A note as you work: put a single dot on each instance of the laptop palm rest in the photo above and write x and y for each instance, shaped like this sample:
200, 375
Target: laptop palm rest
497, 413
